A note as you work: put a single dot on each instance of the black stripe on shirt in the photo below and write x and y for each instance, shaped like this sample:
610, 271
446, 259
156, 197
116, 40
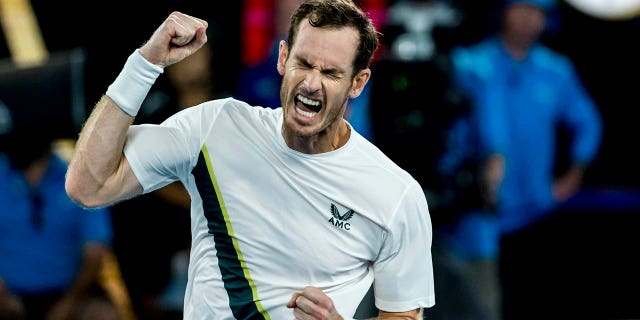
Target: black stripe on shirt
243, 297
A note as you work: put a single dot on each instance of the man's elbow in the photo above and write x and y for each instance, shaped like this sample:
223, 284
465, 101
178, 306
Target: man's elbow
80, 193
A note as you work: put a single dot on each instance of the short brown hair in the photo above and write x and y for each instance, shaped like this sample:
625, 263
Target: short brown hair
337, 14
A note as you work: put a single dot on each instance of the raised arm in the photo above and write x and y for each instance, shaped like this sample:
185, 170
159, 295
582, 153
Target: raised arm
99, 173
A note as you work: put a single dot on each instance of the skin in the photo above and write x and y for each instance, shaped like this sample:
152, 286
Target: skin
523, 24
318, 67
99, 174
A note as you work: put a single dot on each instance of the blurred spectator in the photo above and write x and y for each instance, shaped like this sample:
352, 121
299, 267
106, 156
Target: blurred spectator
523, 96
51, 250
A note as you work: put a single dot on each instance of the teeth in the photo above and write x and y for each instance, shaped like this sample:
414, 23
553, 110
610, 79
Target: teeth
305, 113
308, 101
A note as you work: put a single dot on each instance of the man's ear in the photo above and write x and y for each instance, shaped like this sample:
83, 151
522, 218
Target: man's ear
283, 53
359, 82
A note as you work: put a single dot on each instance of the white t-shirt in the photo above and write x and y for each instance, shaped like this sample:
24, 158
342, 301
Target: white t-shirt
268, 221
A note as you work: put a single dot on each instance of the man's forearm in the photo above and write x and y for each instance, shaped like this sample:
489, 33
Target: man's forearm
410, 315
94, 170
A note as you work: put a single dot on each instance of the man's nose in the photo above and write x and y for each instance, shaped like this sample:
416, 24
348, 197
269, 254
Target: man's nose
313, 80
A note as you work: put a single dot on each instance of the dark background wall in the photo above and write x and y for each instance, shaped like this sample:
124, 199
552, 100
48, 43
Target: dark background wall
606, 55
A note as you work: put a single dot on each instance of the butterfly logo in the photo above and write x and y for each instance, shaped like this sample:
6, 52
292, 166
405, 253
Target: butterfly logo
340, 220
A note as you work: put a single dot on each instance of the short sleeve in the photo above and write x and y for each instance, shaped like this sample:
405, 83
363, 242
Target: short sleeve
403, 274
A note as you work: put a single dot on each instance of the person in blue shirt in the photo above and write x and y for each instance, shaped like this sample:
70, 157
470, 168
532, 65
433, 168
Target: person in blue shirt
51, 249
521, 93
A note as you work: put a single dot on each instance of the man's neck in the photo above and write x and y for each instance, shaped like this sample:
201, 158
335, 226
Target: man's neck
517, 49
326, 141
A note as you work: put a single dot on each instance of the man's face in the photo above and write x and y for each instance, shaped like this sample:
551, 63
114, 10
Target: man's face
525, 21
317, 79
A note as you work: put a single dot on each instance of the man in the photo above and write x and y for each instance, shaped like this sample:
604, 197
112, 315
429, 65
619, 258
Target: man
51, 249
522, 94
293, 212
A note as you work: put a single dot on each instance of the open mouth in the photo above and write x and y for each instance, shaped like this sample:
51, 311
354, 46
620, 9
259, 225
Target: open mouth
307, 107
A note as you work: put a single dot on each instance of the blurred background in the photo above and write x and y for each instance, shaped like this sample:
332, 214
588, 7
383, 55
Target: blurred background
576, 263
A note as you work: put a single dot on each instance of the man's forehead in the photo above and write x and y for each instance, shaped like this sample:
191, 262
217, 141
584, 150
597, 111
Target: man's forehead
335, 48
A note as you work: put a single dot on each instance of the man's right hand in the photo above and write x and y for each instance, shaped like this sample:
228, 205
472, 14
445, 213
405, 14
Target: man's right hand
312, 303
178, 37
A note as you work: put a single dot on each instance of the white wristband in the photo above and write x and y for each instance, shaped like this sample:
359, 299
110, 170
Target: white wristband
133, 83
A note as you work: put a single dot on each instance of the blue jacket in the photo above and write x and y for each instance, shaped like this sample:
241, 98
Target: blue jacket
38, 259
517, 108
